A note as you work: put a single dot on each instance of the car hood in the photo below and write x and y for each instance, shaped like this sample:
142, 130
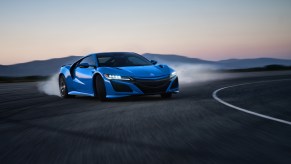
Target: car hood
139, 71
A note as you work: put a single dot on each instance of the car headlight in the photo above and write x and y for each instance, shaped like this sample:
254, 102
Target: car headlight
173, 74
116, 77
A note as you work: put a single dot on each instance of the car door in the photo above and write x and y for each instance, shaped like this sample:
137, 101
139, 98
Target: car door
84, 72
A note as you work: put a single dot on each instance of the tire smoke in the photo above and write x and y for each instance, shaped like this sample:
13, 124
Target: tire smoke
50, 87
192, 73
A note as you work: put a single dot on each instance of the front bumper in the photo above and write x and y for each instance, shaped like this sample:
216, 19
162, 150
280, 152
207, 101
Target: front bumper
138, 86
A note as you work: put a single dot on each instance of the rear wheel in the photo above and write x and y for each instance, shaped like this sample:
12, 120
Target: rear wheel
63, 87
166, 95
100, 88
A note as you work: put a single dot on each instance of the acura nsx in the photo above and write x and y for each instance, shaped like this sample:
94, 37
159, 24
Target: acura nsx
117, 74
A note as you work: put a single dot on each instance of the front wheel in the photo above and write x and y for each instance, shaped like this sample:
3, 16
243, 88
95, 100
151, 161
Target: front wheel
166, 95
100, 88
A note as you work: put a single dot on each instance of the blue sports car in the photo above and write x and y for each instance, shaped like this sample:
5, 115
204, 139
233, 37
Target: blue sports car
117, 74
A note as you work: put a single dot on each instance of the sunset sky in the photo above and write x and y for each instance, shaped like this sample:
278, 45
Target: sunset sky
207, 29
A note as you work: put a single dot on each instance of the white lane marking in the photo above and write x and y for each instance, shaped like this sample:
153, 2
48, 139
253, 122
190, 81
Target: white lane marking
214, 95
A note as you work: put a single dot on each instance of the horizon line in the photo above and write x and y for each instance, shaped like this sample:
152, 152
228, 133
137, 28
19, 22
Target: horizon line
191, 57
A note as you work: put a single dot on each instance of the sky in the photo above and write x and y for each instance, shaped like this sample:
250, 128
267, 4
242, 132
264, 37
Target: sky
206, 29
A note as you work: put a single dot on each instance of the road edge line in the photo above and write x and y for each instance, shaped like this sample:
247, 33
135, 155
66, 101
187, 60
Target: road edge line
214, 95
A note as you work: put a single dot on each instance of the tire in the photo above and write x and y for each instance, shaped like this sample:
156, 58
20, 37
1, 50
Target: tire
166, 95
100, 88
63, 87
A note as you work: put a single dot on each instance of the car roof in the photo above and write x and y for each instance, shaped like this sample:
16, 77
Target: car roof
112, 53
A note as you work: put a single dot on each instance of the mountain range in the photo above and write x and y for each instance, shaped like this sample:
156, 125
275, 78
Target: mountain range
51, 66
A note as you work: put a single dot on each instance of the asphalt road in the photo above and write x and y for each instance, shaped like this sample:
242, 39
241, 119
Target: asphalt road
192, 127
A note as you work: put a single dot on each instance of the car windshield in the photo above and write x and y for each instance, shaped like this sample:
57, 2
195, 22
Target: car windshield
121, 60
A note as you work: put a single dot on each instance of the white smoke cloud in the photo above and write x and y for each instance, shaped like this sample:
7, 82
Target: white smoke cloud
50, 86
192, 73
188, 73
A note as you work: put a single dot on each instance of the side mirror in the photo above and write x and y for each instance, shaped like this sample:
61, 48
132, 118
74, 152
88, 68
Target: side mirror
154, 62
83, 65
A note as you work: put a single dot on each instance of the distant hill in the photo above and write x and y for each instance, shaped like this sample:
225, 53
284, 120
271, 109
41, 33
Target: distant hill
176, 59
222, 64
36, 68
251, 63
51, 66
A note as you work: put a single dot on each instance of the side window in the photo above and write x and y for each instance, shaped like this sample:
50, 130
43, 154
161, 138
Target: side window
90, 60
105, 61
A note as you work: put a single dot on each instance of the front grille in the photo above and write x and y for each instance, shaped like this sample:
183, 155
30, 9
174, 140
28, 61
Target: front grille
118, 87
152, 86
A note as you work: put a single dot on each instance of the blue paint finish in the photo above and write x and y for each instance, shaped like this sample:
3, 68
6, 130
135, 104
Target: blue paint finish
80, 81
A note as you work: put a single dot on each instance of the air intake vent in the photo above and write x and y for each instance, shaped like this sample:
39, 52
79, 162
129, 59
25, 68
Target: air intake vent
118, 87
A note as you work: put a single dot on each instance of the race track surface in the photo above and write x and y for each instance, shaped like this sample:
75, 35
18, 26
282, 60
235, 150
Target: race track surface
192, 127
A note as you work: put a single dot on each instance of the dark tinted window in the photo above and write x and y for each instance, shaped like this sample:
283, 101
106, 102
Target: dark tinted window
90, 60
121, 60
